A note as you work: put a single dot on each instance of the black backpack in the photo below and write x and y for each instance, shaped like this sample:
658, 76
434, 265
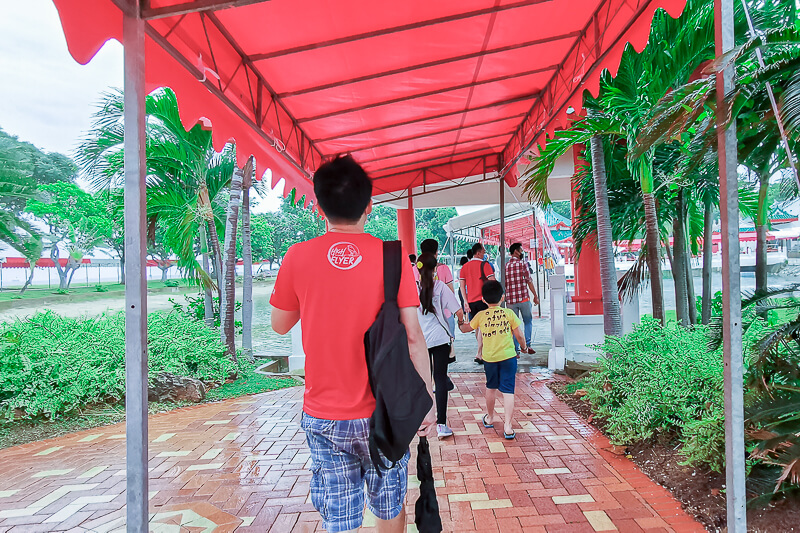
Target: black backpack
401, 397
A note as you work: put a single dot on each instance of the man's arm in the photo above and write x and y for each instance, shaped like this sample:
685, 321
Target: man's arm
461, 285
421, 359
533, 290
520, 336
284, 321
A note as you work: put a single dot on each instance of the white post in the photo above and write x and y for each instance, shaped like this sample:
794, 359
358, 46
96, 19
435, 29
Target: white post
731, 283
297, 361
558, 318
135, 275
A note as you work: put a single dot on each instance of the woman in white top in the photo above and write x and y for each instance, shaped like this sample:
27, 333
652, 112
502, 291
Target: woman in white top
435, 297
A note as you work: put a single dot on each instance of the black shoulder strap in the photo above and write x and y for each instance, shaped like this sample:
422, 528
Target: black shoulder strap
392, 257
484, 277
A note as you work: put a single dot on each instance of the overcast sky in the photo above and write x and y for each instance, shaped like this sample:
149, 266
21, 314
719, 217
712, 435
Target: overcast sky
46, 98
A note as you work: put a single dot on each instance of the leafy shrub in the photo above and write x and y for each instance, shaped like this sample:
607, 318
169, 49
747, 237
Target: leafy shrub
669, 380
658, 380
53, 364
100, 288
195, 308
171, 283
61, 292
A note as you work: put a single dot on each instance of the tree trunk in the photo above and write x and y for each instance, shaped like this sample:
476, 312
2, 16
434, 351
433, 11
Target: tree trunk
164, 274
761, 234
678, 261
229, 294
247, 282
208, 313
653, 255
208, 215
30, 278
708, 256
690, 292
612, 320
122, 266
217, 258
71, 268
62, 274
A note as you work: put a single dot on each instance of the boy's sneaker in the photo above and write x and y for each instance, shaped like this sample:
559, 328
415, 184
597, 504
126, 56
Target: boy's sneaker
444, 431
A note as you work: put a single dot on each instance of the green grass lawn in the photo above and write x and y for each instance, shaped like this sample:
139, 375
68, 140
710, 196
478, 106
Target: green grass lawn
112, 289
25, 431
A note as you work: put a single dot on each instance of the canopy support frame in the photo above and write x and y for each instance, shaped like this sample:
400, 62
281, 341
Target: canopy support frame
135, 272
733, 364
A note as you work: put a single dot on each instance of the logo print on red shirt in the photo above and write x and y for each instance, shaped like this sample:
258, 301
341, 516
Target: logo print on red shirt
344, 255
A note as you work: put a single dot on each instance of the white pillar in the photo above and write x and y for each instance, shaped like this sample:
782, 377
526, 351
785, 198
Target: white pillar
558, 318
297, 361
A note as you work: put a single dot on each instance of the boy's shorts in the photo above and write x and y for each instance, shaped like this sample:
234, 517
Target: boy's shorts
501, 375
340, 465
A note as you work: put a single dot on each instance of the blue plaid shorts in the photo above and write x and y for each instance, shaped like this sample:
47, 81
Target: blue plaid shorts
341, 466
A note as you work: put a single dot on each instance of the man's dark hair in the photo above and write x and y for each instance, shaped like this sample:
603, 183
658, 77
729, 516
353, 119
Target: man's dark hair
514, 247
343, 189
464, 260
492, 292
477, 247
412, 258
429, 246
470, 255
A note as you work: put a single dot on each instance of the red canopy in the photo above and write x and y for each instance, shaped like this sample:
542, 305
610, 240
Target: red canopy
419, 91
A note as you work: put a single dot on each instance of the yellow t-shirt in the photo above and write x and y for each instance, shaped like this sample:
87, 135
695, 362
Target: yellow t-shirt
496, 325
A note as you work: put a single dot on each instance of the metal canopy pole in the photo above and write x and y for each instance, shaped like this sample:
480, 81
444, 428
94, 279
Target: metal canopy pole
731, 290
536, 260
501, 250
133, 31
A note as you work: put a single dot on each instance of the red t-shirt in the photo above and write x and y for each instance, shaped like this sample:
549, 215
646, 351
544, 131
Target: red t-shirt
471, 275
336, 282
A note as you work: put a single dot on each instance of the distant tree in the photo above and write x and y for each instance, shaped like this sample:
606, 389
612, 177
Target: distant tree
382, 223
22, 168
111, 202
159, 251
261, 229
75, 221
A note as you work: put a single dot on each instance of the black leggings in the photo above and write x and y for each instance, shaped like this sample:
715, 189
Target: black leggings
440, 356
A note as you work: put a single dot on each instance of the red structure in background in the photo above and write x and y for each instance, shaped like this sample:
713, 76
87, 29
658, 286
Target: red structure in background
588, 296
407, 227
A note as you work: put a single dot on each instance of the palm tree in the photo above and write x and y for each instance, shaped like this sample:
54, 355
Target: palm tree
683, 116
612, 321
15, 189
185, 175
229, 294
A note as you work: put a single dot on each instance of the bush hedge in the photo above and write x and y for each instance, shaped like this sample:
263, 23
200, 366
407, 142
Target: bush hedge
667, 382
660, 380
50, 364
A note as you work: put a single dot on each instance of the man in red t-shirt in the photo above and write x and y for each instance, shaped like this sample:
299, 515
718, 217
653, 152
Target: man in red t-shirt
334, 285
470, 283
471, 279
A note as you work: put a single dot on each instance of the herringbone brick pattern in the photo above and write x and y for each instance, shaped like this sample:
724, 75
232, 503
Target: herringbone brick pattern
242, 465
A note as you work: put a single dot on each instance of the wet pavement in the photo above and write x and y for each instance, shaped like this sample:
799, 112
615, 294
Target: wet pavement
242, 465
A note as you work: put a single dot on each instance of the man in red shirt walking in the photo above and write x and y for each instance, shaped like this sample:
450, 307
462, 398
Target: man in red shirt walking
518, 281
470, 282
342, 271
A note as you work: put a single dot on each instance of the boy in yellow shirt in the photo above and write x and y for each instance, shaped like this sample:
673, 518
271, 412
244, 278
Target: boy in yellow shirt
498, 326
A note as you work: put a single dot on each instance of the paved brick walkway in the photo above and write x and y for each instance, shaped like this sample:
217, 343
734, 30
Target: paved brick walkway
241, 465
